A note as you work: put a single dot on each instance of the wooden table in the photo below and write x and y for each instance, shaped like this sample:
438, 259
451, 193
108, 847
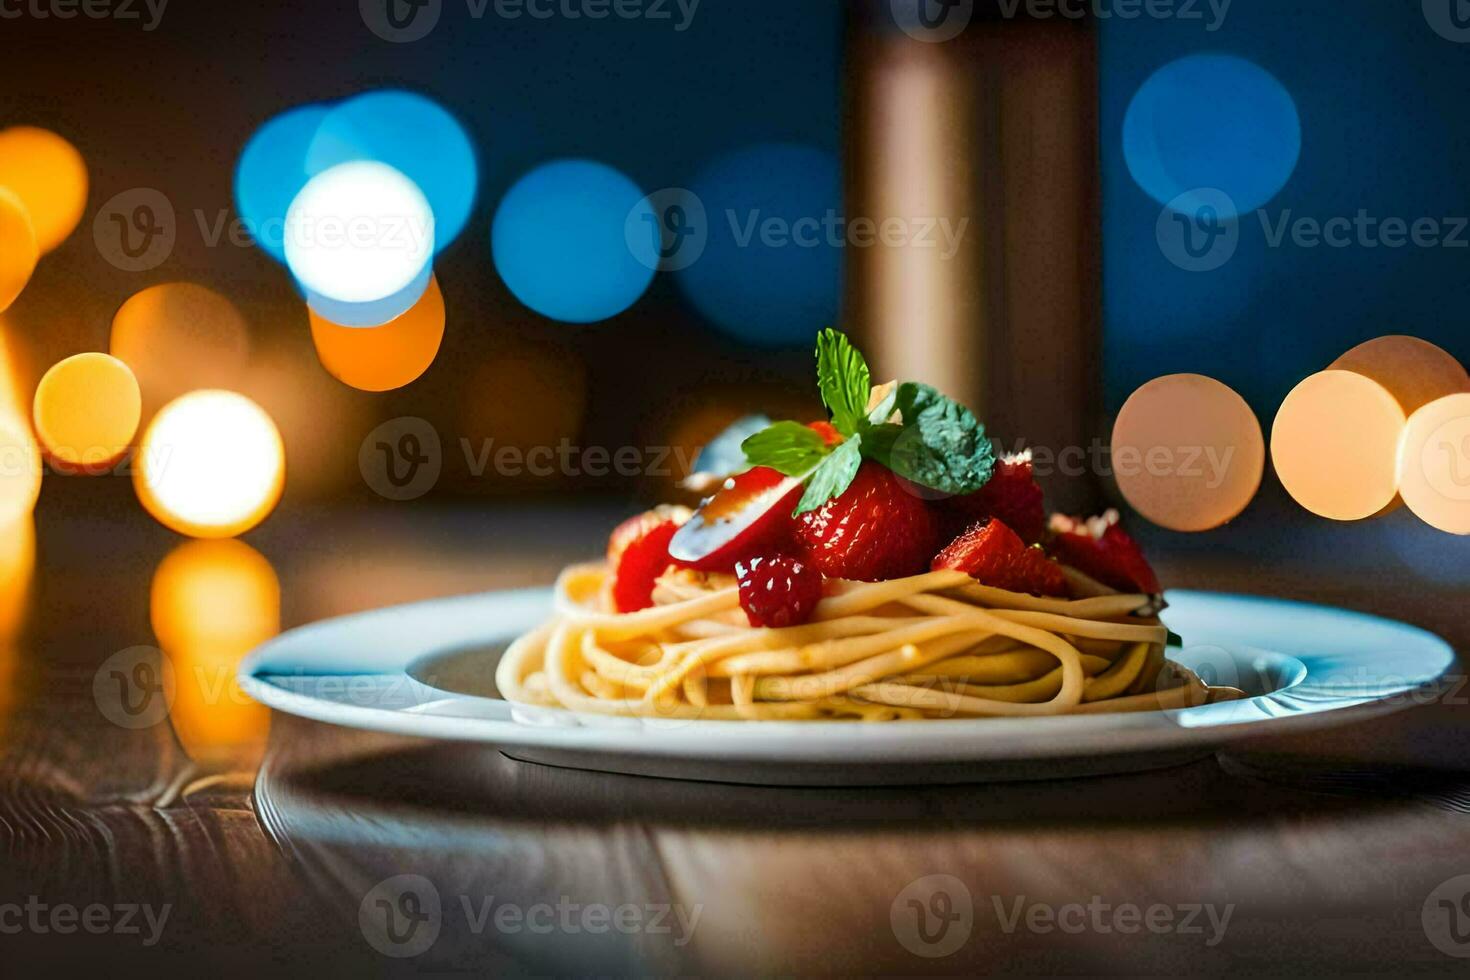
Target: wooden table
1322, 850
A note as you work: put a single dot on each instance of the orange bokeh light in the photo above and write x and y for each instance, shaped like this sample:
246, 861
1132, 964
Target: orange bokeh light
1188, 453
49, 176
20, 470
178, 337
1414, 371
1335, 445
18, 248
386, 357
86, 412
1435, 464
210, 465
211, 603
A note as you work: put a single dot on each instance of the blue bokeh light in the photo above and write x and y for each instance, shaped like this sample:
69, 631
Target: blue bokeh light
1212, 121
776, 289
558, 241
412, 134
272, 171
370, 314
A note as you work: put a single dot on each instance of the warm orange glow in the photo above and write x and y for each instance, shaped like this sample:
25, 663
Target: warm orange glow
18, 249
1188, 452
86, 412
1435, 464
386, 357
527, 398
20, 470
14, 386
50, 176
211, 465
1414, 371
17, 565
179, 337
1335, 445
212, 602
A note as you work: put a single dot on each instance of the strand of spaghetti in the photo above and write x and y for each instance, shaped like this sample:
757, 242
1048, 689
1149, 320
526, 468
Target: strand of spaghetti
826, 656
578, 586
870, 595
520, 659
940, 606
949, 705
1014, 667
696, 690
1115, 680
1188, 695
1095, 607
807, 687
1148, 677
625, 626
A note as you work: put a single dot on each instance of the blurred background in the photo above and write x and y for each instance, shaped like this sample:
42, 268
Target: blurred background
1049, 296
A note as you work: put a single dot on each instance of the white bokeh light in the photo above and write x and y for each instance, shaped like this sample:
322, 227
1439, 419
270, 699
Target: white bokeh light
359, 232
211, 464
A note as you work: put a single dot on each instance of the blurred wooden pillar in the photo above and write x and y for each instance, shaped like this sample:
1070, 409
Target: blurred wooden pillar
993, 132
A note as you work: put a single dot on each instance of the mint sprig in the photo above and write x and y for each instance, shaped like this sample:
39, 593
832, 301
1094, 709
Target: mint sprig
936, 443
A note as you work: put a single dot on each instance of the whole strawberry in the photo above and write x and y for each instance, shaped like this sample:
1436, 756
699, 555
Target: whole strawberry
874, 530
778, 591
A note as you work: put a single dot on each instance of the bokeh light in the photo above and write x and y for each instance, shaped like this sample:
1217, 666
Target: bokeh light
17, 568
1414, 371
415, 136
86, 412
211, 465
771, 290
211, 603
49, 176
178, 337
558, 242
1188, 453
1212, 121
386, 357
272, 171
1335, 445
18, 248
20, 470
1435, 464
360, 241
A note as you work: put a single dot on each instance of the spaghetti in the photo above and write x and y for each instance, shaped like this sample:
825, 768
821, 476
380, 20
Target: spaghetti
936, 645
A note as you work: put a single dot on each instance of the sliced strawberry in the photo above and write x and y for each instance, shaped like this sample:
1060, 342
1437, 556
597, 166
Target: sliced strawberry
875, 530
638, 553
993, 554
1100, 548
1012, 495
827, 431
751, 515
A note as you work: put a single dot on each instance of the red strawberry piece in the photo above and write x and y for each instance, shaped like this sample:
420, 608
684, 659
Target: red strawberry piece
827, 431
875, 530
1100, 548
638, 553
778, 591
1012, 495
994, 555
749, 516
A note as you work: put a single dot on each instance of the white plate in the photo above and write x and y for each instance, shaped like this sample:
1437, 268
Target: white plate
428, 670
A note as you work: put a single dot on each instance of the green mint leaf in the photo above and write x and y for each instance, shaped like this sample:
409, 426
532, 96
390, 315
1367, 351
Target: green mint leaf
879, 440
832, 477
843, 378
942, 445
789, 447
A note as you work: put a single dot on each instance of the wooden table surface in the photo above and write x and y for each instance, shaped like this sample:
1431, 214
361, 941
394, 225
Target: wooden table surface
1323, 851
